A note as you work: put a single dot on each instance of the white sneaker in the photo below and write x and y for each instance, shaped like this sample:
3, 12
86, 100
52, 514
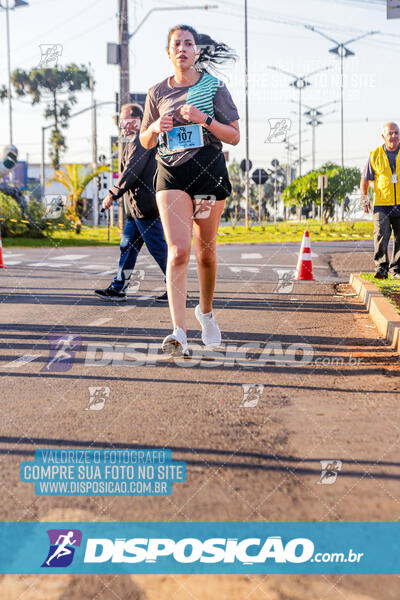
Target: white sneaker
210, 332
175, 344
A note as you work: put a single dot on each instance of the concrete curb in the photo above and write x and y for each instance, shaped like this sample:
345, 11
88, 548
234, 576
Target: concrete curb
383, 314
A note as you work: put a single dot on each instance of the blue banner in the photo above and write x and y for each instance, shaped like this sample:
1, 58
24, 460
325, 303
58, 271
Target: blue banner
204, 548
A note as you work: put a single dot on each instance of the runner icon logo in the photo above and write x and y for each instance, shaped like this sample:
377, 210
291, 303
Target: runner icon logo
49, 55
62, 547
203, 205
55, 205
278, 130
329, 471
98, 397
62, 352
252, 393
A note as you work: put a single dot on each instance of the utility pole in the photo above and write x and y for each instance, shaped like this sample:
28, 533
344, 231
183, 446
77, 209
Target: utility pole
342, 52
246, 91
10, 125
124, 94
95, 207
7, 8
314, 113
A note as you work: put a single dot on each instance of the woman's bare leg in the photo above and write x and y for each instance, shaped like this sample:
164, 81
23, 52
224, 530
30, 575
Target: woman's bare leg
205, 241
176, 213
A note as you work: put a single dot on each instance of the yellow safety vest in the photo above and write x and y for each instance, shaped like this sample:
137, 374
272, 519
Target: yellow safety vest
386, 193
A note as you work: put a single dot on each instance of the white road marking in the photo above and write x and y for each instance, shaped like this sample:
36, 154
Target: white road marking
250, 255
69, 257
95, 267
244, 268
22, 360
125, 309
100, 322
53, 266
11, 255
109, 272
222, 264
10, 263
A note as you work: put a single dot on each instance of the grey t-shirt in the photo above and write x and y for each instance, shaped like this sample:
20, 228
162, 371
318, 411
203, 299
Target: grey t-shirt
209, 94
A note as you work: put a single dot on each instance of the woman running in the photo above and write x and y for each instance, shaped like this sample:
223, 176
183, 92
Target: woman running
188, 115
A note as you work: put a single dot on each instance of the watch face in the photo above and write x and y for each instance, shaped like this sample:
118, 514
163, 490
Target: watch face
208, 120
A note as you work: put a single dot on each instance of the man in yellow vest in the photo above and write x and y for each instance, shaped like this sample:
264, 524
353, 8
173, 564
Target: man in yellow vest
383, 168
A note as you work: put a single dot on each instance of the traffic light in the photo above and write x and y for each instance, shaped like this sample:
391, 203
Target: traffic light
8, 160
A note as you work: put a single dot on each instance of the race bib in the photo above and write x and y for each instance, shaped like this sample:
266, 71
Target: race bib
185, 137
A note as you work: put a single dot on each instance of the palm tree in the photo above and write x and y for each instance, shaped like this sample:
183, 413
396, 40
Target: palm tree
75, 178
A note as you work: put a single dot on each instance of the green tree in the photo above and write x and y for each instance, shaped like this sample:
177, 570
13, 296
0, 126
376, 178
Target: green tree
75, 178
341, 182
57, 87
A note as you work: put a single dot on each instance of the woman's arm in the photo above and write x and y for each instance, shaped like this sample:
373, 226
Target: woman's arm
149, 137
229, 134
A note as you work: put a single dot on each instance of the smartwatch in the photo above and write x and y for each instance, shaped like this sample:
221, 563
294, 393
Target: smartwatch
208, 121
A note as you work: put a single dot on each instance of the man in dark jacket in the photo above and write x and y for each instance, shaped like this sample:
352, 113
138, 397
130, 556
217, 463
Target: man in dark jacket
143, 223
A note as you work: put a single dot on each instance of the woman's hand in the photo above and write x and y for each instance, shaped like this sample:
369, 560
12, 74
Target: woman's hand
107, 202
164, 123
190, 113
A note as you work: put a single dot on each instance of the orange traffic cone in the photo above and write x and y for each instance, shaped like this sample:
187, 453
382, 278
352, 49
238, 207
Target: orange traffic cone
1, 253
304, 271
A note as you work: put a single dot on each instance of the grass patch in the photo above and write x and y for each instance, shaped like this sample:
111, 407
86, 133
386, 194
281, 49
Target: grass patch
390, 288
293, 232
258, 234
89, 236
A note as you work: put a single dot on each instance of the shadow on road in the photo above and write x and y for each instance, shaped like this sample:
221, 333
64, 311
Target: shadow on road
284, 463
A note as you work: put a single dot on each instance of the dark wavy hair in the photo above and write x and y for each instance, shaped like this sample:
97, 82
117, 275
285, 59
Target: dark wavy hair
212, 53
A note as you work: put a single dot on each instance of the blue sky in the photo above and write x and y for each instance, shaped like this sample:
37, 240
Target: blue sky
277, 37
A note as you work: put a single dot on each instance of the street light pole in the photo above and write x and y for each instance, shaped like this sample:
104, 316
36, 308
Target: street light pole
343, 52
124, 94
7, 8
299, 83
95, 206
246, 92
314, 113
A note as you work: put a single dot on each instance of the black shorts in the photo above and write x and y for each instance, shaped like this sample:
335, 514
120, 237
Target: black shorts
203, 174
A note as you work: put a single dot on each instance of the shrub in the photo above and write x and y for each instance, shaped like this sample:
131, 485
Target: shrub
11, 216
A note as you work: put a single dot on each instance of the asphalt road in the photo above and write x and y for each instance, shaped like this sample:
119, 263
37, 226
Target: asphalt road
302, 377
